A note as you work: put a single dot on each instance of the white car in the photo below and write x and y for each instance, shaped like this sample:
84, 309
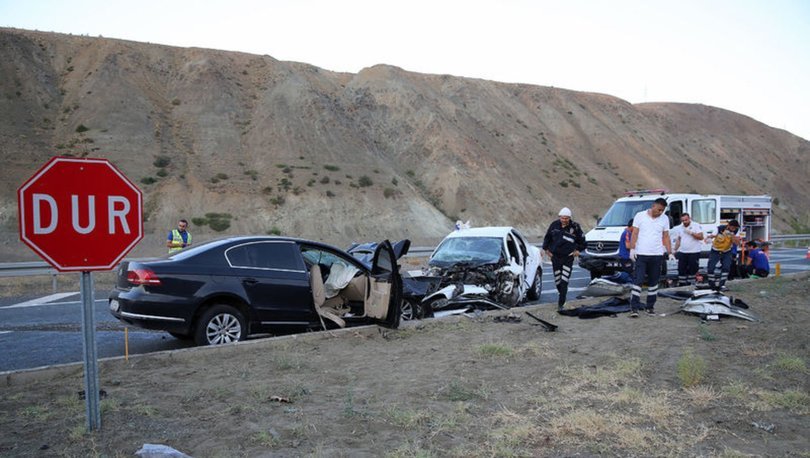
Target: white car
489, 266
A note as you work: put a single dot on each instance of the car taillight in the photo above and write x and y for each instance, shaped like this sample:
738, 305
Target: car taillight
142, 276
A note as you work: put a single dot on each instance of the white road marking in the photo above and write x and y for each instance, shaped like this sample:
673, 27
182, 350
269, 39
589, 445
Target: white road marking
74, 302
40, 301
6, 332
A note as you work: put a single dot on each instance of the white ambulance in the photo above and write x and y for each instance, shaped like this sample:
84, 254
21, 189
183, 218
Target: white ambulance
601, 256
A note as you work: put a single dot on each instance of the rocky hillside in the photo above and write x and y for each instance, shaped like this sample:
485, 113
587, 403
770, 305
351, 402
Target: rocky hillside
241, 143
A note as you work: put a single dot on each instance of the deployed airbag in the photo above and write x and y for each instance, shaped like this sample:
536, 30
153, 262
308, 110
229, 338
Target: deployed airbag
705, 303
339, 277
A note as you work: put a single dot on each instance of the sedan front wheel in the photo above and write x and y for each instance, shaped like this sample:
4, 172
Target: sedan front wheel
537, 286
411, 310
221, 324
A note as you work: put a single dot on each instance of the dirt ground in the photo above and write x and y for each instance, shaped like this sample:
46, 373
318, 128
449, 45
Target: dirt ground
463, 386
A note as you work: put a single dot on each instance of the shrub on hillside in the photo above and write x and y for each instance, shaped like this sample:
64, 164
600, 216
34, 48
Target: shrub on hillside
162, 161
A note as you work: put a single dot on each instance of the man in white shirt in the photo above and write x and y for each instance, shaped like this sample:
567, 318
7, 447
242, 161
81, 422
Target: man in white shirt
688, 238
650, 239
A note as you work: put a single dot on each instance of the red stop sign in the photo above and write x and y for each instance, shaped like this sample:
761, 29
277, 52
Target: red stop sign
80, 214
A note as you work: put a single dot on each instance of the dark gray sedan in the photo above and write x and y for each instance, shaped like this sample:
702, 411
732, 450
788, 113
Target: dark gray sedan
227, 289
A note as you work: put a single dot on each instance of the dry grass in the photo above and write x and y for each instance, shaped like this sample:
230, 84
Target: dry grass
631, 417
691, 369
754, 351
794, 400
407, 418
701, 396
618, 372
495, 350
536, 350
790, 363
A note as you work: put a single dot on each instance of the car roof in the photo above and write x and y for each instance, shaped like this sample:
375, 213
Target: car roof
210, 244
489, 231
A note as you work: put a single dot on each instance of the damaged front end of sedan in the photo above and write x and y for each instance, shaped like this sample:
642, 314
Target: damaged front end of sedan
464, 286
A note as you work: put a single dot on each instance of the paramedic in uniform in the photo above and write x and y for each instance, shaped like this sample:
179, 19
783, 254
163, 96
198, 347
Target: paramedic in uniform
650, 239
688, 238
563, 242
722, 244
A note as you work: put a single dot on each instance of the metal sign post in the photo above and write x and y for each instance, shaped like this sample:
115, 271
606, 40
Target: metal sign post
101, 221
90, 358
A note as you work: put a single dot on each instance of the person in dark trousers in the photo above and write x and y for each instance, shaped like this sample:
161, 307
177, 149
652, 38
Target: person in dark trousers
179, 238
722, 251
650, 239
688, 238
563, 242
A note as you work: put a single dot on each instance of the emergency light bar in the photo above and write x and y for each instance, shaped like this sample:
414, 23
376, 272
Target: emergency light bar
660, 191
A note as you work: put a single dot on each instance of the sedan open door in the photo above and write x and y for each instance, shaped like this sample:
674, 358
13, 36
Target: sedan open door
384, 294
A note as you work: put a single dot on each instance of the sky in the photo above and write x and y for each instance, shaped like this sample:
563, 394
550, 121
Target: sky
747, 56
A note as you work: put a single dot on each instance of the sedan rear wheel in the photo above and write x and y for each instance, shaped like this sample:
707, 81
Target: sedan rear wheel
221, 324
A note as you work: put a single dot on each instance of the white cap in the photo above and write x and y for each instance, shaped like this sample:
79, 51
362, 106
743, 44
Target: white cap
565, 212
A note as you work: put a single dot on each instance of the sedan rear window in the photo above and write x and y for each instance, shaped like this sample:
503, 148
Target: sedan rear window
265, 255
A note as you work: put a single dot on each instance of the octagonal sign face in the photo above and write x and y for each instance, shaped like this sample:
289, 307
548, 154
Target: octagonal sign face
80, 214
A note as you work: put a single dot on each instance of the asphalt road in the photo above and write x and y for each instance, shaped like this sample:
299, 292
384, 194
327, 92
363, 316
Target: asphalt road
45, 330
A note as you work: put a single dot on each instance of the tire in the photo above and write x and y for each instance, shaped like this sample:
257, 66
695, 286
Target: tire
537, 286
220, 324
513, 298
411, 310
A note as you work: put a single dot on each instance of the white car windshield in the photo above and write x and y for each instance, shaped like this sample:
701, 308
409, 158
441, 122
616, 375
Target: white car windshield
473, 250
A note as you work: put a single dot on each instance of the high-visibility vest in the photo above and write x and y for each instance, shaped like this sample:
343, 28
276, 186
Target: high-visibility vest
722, 242
177, 239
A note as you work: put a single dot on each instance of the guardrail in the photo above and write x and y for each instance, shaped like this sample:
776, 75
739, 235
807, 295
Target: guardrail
31, 268
419, 251
789, 237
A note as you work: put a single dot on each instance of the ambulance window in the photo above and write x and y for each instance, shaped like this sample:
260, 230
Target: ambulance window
674, 213
675, 209
704, 211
